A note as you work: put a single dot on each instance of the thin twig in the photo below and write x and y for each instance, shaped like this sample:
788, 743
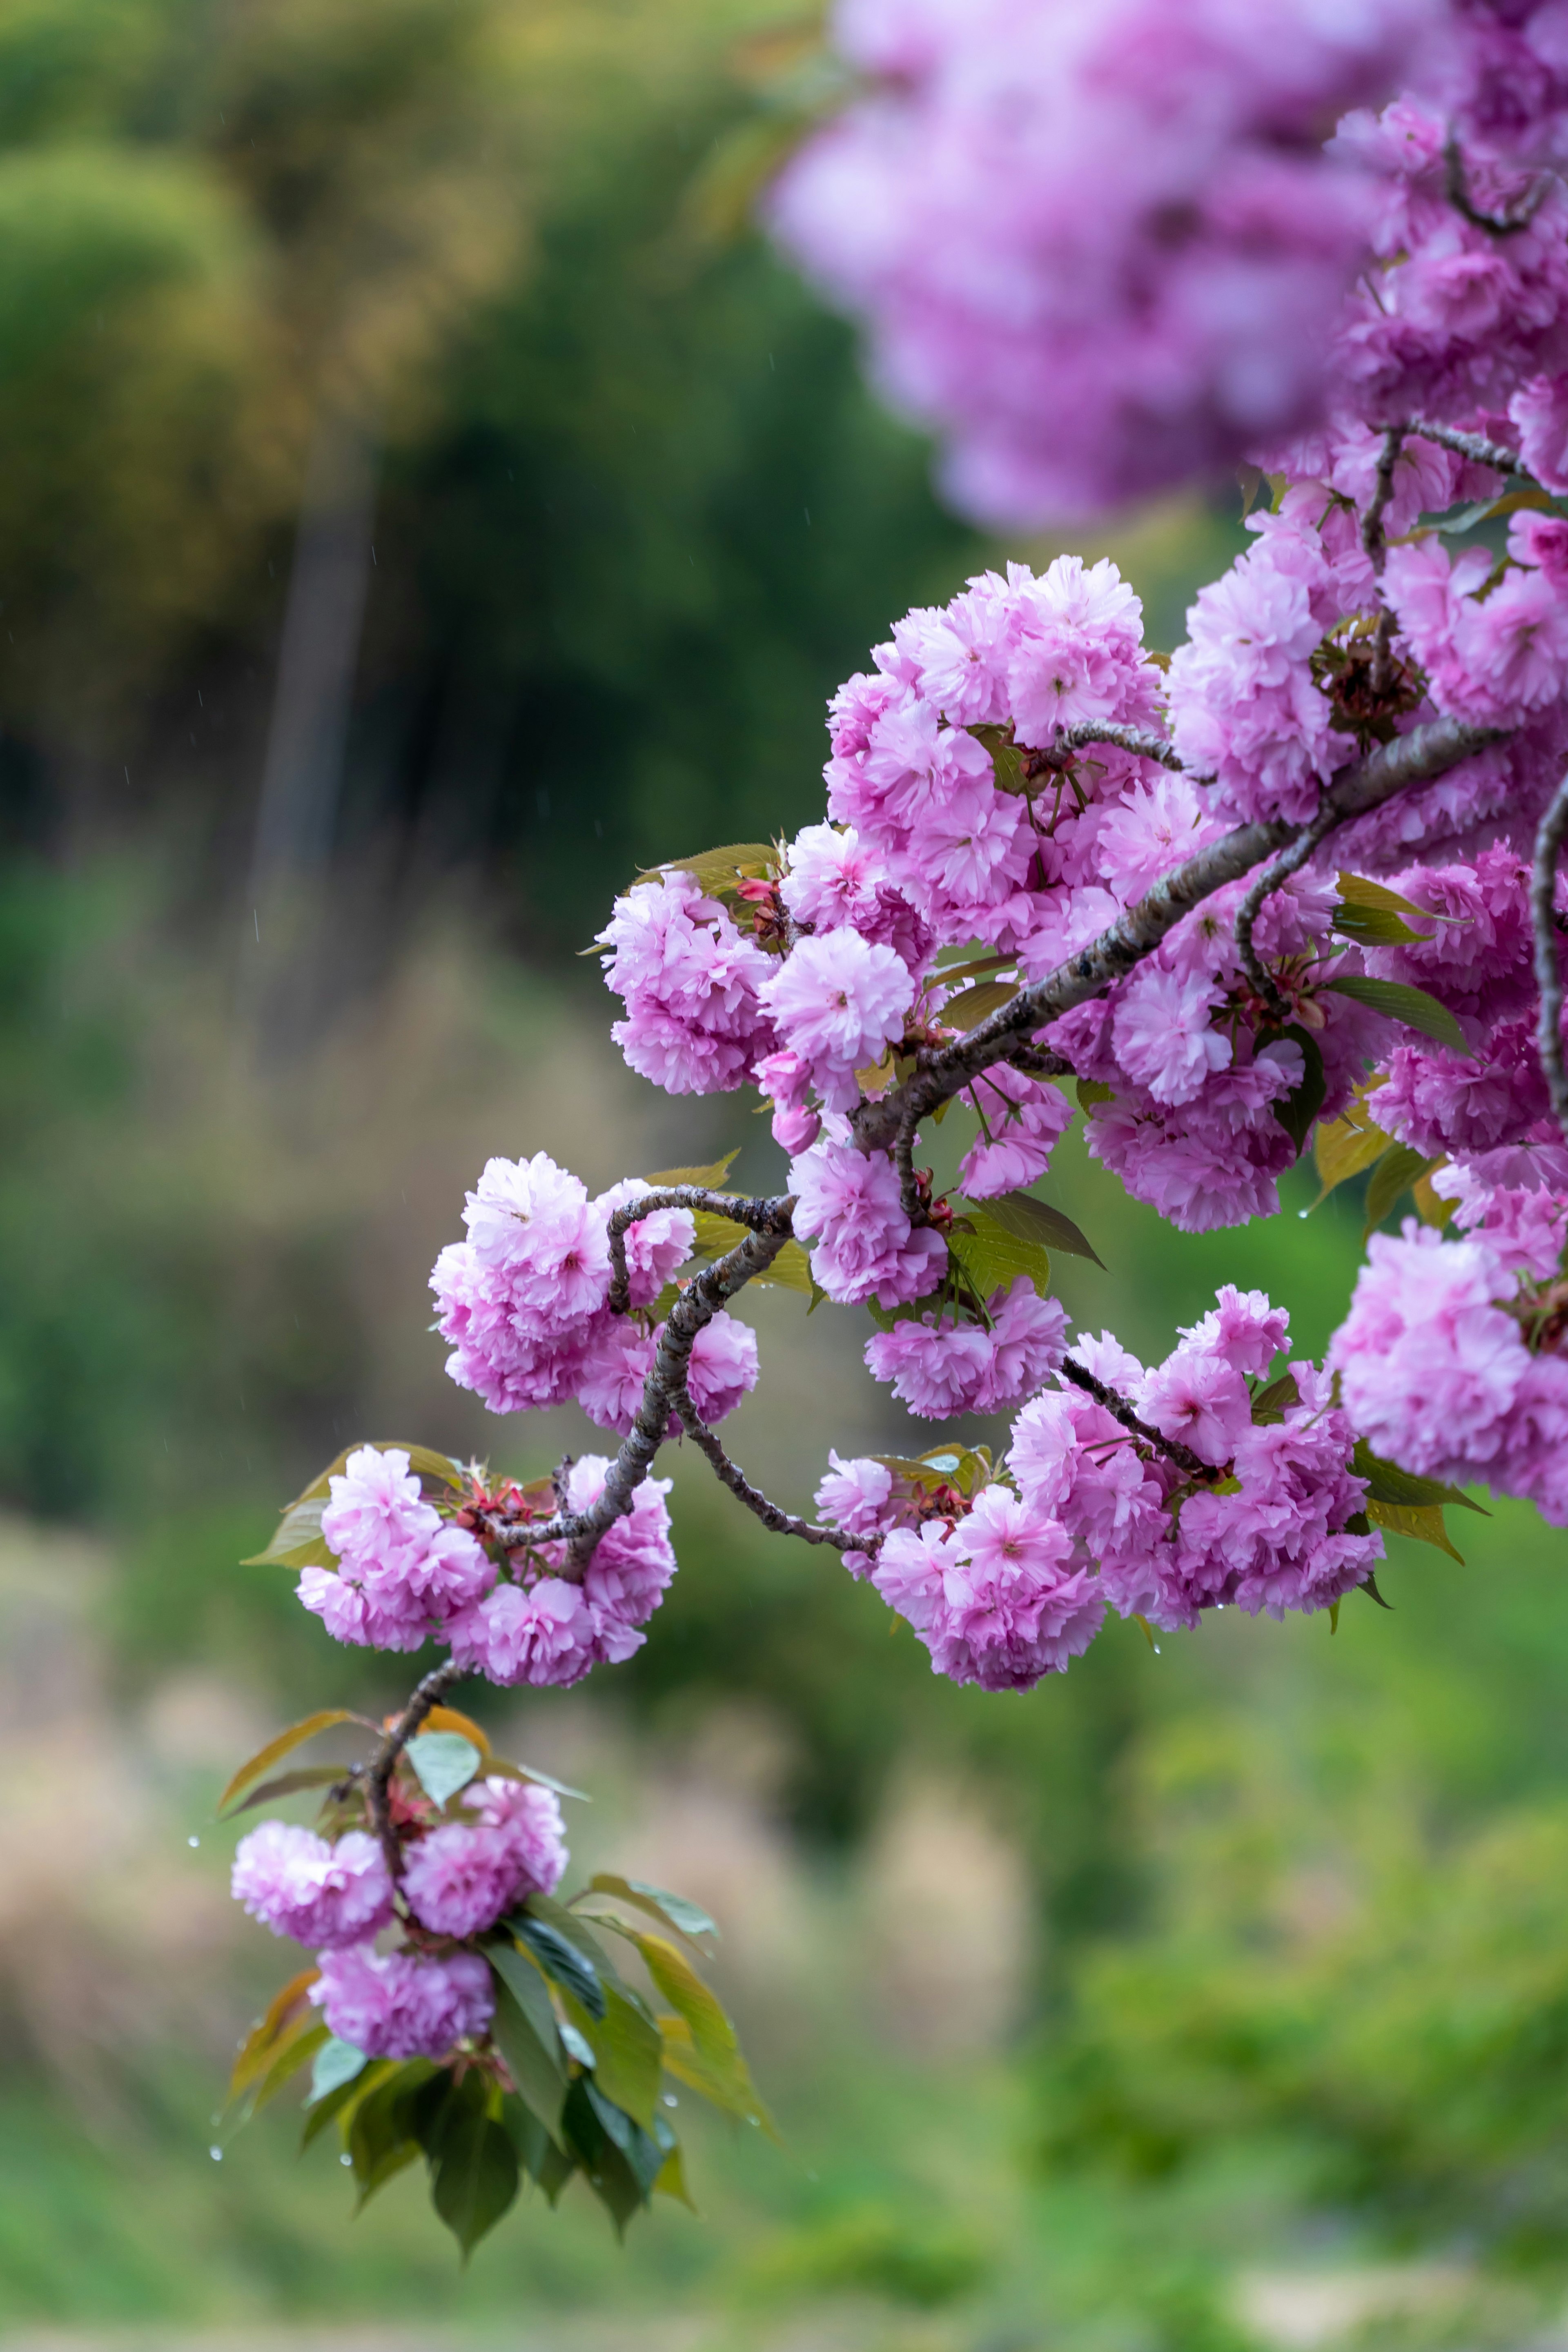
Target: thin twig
904, 1161
1457, 190
1473, 446
1120, 1410
384, 1763
1272, 878
753, 1212
1547, 977
730, 1474
1126, 739
1415, 759
1373, 537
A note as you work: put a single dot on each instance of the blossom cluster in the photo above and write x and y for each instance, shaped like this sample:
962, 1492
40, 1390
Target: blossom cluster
458, 1879
1261, 1508
404, 1575
524, 1300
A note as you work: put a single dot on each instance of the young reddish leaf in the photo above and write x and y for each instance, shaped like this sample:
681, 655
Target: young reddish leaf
288, 2010
452, 1719
289, 1784
286, 1741
295, 2051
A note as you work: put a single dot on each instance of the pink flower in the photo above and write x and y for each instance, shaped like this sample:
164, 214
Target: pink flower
633, 1561
655, 1245
377, 1513
545, 1635
837, 1002
689, 983
1154, 826
863, 1245
1242, 1328
1200, 1399
1021, 1120
1079, 651
459, 1881
528, 1817
298, 1884
394, 2005
1162, 1035
1429, 1366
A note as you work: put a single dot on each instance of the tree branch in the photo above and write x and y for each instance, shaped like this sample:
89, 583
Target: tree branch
1547, 977
1120, 1410
384, 1763
757, 1214
1415, 759
1126, 739
1474, 446
1372, 538
730, 1474
1272, 878
1457, 188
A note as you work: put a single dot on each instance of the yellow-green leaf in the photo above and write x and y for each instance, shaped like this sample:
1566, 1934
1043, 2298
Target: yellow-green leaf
676, 1910
972, 1005
732, 2090
627, 2050
1424, 1522
288, 2015
992, 1258
1344, 1146
707, 1180
1413, 1006
1037, 1221
1431, 1207
295, 1736
1395, 1172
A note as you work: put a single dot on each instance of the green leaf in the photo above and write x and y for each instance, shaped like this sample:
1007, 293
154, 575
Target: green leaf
338, 2106
965, 1466
1272, 1403
286, 1741
1374, 915
423, 1460
656, 1901
717, 1236
560, 1959
642, 2152
526, 2033
1422, 1522
671, 2180
382, 2139
288, 2014
443, 1762
528, 2136
503, 1771
1301, 1105
709, 2046
972, 1005
707, 1180
298, 2050
298, 1542
718, 870
475, 2177
1386, 1482
1090, 1091
1346, 1145
604, 2163
289, 1784
1006, 759
1036, 1220
338, 2063
627, 2050
992, 1259
1396, 1171
1413, 1006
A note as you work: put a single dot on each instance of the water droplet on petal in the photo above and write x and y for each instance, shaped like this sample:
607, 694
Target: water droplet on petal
193, 1840
1156, 1649
671, 2100
345, 2160
1303, 1213
216, 2152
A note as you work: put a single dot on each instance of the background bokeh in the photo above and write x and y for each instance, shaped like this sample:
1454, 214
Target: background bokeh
424, 500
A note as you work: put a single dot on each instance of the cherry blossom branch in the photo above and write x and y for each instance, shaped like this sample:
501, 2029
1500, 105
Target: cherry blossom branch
757, 1214
378, 1773
1126, 739
1120, 1410
1427, 751
1474, 446
1548, 976
730, 1474
1272, 878
1457, 188
1372, 536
